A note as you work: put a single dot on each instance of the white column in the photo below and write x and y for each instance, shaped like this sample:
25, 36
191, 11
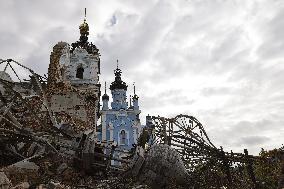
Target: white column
134, 134
103, 127
110, 131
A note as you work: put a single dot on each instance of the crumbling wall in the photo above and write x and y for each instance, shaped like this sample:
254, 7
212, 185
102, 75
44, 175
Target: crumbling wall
31, 113
70, 103
5, 76
65, 100
54, 69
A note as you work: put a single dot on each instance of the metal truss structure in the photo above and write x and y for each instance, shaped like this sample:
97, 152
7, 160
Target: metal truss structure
187, 135
12, 131
202, 159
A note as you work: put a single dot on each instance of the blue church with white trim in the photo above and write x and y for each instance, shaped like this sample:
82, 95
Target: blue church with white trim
120, 123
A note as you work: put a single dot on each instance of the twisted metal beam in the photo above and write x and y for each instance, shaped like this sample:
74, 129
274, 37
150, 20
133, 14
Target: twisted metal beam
188, 136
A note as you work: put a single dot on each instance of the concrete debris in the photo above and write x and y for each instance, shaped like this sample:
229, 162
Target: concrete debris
26, 165
23, 185
162, 166
62, 168
281, 177
55, 185
141, 187
5, 183
18, 175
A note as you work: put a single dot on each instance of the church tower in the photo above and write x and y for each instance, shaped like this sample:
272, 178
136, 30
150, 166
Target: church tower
83, 69
118, 91
120, 124
81, 65
105, 99
73, 81
135, 100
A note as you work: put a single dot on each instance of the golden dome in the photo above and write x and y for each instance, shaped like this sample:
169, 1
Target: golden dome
84, 28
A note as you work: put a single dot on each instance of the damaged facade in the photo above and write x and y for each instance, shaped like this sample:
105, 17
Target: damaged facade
73, 88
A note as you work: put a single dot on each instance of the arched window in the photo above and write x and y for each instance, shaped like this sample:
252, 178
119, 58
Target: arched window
62, 72
122, 137
80, 72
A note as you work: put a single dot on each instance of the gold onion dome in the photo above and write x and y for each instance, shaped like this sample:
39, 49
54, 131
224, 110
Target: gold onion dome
84, 28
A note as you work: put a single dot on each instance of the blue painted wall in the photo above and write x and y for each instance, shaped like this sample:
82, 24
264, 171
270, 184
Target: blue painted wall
122, 117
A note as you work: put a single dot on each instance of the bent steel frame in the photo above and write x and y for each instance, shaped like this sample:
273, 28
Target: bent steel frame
188, 136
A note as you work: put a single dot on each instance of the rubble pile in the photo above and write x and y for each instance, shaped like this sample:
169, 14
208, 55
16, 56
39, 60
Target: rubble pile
52, 157
58, 170
31, 113
163, 166
45, 143
5, 183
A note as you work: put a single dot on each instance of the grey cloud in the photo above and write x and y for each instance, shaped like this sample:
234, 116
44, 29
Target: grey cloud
243, 127
253, 140
246, 134
162, 99
11, 45
210, 91
273, 37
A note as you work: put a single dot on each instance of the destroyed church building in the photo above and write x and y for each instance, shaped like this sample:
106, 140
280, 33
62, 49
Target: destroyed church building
62, 128
73, 95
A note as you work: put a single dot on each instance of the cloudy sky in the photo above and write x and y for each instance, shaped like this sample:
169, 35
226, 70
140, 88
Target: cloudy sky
218, 60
